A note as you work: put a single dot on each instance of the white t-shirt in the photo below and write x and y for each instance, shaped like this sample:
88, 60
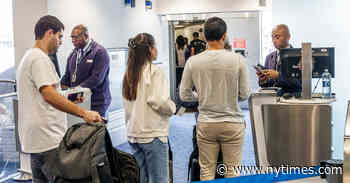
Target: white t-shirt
41, 127
181, 56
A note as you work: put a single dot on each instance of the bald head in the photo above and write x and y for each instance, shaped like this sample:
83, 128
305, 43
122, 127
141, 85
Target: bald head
83, 29
281, 36
283, 28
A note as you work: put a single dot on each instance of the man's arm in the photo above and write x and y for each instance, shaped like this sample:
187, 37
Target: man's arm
99, 71
45, 80
59, 102
192, 51
186, 84
243, 84
264, 80
288, 84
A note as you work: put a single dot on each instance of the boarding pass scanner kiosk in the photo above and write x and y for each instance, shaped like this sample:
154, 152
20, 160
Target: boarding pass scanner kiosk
295, 131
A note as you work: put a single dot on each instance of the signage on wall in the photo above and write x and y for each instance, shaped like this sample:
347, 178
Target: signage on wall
239, 43
131, 2
148, 4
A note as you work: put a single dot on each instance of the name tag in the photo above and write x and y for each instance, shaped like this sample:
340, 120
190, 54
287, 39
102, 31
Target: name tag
89, 61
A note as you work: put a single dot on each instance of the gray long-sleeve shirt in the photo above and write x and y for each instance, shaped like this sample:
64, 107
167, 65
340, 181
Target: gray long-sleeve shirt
221, 80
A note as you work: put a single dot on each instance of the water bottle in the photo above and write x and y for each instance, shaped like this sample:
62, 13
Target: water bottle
326, 84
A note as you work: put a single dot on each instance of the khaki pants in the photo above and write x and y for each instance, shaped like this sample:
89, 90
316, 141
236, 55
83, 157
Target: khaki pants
210, 137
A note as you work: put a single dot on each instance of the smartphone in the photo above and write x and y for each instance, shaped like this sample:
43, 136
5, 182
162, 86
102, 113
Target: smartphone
74, 96
257, 68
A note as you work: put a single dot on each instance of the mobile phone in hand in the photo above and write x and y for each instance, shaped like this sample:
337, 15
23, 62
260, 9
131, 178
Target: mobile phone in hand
257, 68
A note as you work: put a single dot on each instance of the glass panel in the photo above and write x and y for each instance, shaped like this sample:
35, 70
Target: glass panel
9, 156
118, 59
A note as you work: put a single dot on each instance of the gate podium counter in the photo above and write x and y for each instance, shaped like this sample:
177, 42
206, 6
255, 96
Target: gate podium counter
294, 132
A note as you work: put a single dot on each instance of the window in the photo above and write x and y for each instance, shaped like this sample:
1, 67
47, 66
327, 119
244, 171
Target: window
6, 41
9, 157
118, 58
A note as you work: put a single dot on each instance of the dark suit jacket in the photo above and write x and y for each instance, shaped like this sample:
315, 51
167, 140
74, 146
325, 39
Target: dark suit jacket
92, 72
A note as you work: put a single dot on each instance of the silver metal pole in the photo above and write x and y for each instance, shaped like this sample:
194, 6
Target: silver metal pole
172, 62
306, 60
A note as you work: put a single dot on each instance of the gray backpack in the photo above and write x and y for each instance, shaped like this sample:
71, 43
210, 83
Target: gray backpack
86, 155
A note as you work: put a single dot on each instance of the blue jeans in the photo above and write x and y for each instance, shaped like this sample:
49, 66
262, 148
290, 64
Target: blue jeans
153, 160
40, 164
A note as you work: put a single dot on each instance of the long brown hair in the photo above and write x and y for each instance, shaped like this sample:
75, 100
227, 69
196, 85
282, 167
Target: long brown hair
139, 55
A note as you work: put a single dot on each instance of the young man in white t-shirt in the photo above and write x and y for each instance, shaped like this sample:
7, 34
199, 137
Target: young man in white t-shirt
42, 122
221, 80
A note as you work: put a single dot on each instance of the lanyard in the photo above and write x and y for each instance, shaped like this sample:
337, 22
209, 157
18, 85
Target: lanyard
80, 55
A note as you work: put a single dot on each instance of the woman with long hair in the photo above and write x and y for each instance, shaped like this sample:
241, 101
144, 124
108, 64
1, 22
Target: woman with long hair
181, 48
147, 106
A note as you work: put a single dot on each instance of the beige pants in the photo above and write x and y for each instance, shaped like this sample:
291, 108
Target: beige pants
210, 137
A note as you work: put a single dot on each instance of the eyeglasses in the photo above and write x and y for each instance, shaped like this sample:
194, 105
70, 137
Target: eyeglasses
276, 36
76, 36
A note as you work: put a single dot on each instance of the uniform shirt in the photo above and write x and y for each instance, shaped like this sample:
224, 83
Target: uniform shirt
221, 79
41, 126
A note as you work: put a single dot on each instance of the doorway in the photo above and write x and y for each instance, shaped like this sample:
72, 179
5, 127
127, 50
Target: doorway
244, 37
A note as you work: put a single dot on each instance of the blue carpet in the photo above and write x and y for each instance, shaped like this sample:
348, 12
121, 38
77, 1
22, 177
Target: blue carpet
181, 143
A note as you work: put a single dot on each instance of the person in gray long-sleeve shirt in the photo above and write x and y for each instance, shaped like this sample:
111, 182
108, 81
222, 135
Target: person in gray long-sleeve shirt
221, 80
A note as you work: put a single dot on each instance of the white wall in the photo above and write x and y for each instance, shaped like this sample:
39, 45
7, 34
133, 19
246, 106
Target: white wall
104, 21
323, 23
203, 6
137, 20
6, 40
111, 24
247, 29
25, 15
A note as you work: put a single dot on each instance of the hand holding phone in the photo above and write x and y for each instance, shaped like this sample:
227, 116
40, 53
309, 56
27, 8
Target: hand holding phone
260, 73
258, 69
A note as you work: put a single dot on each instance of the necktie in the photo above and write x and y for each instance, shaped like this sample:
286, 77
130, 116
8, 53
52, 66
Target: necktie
278, 61
80, 55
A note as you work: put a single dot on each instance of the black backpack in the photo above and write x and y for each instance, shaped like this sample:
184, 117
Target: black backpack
86, 155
